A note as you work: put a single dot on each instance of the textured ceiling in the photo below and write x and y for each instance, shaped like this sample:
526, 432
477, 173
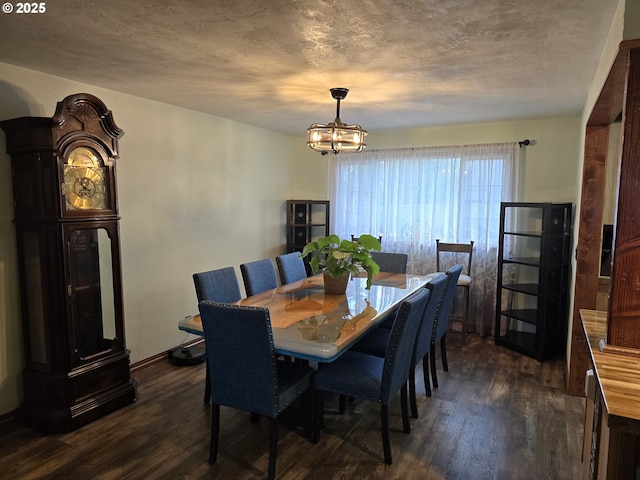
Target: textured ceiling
270, 63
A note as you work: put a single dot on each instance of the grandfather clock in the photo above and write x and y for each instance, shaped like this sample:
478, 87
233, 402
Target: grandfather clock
67, 232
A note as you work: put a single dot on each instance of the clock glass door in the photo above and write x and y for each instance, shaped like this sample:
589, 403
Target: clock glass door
91, 293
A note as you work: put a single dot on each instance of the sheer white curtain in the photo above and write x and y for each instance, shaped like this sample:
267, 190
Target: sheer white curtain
413, 196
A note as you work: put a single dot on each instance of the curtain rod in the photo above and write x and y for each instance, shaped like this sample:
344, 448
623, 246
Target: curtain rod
522, 143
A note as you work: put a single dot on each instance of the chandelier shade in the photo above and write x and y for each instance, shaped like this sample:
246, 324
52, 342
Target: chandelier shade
336, 136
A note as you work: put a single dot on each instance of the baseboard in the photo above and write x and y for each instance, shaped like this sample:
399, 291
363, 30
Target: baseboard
162, 356
8, 416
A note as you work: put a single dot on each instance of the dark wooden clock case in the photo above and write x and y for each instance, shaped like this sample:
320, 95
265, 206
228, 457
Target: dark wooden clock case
77, 366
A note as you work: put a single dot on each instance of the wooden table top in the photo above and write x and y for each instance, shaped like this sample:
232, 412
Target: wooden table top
617, 375
309, 324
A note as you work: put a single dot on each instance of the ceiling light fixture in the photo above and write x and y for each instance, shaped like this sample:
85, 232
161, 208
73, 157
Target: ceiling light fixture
336, 137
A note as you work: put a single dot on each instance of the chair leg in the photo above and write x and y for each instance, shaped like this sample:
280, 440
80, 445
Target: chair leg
465, 318
425, 375
307, 412
273, 449
318, 415
412, 393
406, 425
342, 405
386, 443
215, 432
443, 353
207, 383
434, 374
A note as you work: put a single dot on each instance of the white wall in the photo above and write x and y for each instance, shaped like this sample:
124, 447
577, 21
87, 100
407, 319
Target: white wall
631, 29
196, 192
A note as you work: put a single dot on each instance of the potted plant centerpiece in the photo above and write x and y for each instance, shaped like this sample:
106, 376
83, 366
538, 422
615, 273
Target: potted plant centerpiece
340, 258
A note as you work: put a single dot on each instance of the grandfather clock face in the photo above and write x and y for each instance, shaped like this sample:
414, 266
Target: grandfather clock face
85, 184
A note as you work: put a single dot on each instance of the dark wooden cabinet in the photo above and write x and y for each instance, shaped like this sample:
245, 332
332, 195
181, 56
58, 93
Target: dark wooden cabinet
533, 277
67, 233
306, 220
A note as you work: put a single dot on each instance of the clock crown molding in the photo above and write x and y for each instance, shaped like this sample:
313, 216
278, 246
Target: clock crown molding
80, 118
84, 114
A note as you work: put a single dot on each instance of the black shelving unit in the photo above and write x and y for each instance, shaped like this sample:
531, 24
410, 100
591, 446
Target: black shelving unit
534, 261
306, 220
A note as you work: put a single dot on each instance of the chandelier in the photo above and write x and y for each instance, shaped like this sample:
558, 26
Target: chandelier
336, 136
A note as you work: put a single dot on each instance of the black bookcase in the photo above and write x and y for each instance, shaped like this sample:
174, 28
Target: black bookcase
534, 261
306, 220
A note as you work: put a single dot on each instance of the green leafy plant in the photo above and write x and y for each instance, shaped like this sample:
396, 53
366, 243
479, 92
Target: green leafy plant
341, 256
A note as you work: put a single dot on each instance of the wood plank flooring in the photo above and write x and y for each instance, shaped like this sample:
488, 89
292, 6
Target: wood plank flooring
496, 415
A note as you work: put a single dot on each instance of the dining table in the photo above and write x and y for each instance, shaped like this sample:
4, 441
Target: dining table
311, 325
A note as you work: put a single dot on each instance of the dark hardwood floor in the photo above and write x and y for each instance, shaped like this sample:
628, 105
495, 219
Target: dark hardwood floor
496, 415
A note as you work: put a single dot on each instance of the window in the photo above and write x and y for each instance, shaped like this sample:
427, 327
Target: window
413, 196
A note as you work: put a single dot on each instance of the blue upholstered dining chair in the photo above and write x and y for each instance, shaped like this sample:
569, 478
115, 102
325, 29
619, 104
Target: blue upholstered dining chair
244, 370
376, 341
291, 268
391, 262
219, 285
441, 324
258, 276
438, 287
359, 375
